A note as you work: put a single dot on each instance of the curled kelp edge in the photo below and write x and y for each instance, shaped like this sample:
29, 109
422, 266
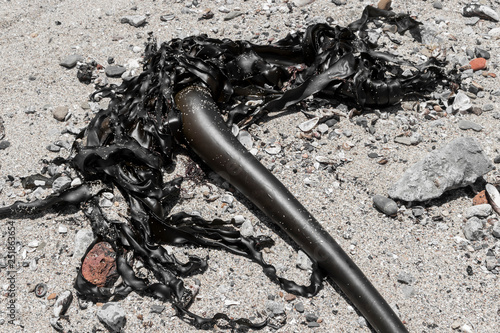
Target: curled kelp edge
129, 144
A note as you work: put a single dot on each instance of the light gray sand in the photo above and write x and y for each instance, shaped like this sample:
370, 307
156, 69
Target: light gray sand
443, 294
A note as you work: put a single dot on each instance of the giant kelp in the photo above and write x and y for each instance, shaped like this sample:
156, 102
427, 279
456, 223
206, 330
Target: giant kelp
129, 144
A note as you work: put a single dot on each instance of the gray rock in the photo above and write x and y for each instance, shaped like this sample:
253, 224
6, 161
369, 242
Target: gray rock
62, 303
4, 144
232, 15
406, 278
275, 307
488, 107
385, 205
299, 307
112, 316
83, 239
134, 20
61, 183
273, 150
71, 61
245, 139
115, 71
456, 165
483, 210
60, 113
462, 102
496, 229
473, 229
467, 125
239, 219
437, 5
157, 308
246, 229
303, 261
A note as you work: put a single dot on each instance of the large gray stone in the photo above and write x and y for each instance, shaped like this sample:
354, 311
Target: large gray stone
112, 316
456, 165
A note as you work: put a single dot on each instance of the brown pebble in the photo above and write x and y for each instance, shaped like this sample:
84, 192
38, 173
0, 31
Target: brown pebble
290, 297
384, 4
477, 64
480, 198
52, 296
437, 108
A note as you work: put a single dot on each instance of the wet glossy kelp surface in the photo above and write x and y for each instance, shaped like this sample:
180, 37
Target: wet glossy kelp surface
129, 144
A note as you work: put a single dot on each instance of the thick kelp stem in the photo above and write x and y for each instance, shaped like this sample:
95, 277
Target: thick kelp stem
210, 138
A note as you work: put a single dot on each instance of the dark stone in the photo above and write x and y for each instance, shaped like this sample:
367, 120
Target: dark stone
115, 71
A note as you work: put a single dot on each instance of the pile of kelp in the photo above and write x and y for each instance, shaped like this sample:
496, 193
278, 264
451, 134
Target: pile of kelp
129, 144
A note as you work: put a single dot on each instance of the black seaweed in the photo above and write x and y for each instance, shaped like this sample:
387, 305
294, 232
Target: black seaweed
129, 144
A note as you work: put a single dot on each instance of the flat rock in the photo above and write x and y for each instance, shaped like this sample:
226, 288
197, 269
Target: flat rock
112, 316
467, 125
456, 165
71, 60
483, 210
115, 71
83, 239
134, 20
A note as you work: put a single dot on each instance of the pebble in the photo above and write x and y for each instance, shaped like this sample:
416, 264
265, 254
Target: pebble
437, 5
480, 53
99, 266
134, 20
480, 198
232, 15
461, 102
384, 4
246, 229
490, 262
483, 210
4, 144
495, 33
496, 229
115, 71
275, 307
239, 219
301, 3
157, 308
273, 150
385, 205
303, 261
61, 183
71, 60
406, 278
308, 125
112, 316
493, 197
323, 128
245, 139
62, 229
473, 229
60, 113
83, 239
477, 64
62, 303
488, 107
299, 307
467, 125
456, 165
